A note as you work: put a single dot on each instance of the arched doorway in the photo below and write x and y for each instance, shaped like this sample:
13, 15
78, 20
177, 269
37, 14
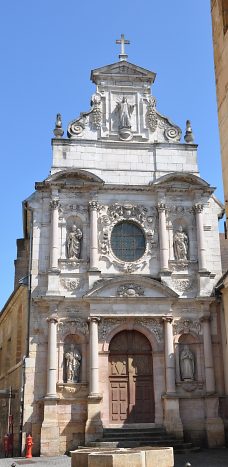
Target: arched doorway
131, 393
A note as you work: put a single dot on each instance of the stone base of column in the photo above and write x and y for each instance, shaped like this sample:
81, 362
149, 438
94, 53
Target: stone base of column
215, 432
49, 440
172, 420
53, 282
94, 426
204, 282
214, 424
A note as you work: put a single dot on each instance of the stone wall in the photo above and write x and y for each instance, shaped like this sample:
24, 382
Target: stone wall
13, 334
220, 42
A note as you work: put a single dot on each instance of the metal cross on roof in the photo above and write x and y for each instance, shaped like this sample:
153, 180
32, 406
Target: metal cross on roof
122, 41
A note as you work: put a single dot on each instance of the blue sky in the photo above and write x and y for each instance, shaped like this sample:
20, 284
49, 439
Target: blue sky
47, 50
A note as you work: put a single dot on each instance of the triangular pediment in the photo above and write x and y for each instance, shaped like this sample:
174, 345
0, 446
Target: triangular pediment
122, 69
132, 287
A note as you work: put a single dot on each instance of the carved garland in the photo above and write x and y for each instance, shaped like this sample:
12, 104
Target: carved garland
151, 114
185, 326
109, 324
72, 327
72, 284
146, 218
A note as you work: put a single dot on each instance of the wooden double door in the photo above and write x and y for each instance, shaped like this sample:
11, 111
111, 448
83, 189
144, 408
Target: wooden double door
131, 379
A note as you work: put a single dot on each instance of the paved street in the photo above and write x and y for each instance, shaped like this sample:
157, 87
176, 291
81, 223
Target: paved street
204, 458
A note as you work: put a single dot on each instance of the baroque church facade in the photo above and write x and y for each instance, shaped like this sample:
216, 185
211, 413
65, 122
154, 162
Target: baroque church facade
124, 327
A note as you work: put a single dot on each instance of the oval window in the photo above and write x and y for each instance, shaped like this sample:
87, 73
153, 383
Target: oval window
128, 241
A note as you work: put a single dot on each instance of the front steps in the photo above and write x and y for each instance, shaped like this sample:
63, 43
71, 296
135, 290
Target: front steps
126, 437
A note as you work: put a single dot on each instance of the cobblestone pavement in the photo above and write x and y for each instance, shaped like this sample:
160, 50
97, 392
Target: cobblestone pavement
204, 458
60, 461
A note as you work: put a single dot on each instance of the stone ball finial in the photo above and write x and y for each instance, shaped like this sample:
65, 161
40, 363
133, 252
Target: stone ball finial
58, 131
189, 137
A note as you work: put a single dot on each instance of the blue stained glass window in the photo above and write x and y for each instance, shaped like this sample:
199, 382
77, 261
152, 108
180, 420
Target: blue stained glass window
128, 241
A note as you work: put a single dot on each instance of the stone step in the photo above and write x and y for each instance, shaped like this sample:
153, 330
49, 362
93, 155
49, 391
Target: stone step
139, 438
134, 430
136, 435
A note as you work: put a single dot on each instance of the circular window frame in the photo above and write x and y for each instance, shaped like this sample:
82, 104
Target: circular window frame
137, 224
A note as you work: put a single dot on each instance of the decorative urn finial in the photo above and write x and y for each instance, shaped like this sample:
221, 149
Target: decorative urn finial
189, 137
58, 131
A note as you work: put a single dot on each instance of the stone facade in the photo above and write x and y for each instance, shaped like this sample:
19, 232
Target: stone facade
125, 255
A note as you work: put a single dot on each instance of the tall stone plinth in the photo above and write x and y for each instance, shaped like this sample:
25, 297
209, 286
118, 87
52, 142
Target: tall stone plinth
49, 441
94, 426
172, 420
214, 424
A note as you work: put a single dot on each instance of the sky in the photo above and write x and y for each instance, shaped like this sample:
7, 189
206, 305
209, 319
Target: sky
47, 50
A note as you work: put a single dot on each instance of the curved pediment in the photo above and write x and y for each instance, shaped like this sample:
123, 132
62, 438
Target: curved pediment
71, 177
182, 180
130, 287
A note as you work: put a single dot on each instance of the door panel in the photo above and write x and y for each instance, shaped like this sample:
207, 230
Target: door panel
131, 378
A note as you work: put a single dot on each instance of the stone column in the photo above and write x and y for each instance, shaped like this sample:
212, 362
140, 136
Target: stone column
84, 366
208, 356
93, 356
172, 420
169, 356
94, 427
214, 424
49, 439
163, 238
54, 240
200, 237
52, 356
93, 207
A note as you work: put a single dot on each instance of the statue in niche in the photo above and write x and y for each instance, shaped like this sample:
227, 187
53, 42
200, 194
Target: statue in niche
125, 110
187, 365
180, 244
73, 363
73, 242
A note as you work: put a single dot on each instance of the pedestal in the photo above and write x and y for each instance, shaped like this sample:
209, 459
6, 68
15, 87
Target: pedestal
172, 420
214, 424
49, 439
94, 426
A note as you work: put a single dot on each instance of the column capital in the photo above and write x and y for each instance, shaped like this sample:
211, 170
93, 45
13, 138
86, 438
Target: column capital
93, 205
161, 207
205, 318
94, 319
167, 319
198, 207
53, 318
54, 203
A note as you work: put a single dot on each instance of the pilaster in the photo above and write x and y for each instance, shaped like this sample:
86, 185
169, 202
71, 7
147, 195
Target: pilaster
163, 239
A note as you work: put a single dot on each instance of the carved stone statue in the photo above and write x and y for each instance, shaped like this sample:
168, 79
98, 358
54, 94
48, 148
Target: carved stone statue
125, 110
73, 363
187, 365
73, 243
180, 244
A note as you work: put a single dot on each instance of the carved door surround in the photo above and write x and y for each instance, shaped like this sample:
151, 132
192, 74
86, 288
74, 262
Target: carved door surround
131, 395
